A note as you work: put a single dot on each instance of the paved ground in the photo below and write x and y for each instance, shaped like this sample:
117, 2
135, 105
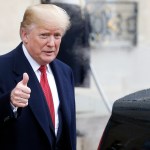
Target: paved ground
92, 129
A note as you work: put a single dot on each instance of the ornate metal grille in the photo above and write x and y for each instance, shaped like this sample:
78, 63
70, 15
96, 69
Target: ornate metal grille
113, 23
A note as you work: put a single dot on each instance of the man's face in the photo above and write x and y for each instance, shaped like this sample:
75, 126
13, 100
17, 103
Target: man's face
42, 43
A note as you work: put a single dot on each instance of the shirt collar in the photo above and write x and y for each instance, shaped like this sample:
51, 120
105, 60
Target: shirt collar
32, 62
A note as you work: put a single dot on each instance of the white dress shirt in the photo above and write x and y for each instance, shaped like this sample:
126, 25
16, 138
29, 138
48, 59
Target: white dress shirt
35, 66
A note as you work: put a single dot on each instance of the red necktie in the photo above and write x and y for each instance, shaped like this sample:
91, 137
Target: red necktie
46, 89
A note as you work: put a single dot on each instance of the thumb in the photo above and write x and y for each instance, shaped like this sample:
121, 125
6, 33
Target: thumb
25, 79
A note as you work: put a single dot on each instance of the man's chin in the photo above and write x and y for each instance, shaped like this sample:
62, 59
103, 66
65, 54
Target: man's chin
47, 61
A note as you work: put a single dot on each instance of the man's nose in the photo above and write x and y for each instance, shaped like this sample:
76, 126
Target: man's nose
51, 41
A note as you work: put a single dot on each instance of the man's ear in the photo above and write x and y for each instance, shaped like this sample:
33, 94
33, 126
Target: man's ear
24, 35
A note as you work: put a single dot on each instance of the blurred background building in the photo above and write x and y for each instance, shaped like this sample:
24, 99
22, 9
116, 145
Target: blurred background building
108, 48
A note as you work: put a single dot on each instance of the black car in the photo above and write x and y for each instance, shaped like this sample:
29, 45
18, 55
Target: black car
128, 127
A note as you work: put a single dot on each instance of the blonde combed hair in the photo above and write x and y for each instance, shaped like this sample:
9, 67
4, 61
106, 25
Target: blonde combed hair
46, 13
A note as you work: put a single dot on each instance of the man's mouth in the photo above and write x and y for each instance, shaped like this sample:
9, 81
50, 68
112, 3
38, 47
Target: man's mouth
48, 53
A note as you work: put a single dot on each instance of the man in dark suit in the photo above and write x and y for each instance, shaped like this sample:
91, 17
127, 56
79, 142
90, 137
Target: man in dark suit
26, 122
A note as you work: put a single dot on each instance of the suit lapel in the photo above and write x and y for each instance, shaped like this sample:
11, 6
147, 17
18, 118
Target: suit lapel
61, 83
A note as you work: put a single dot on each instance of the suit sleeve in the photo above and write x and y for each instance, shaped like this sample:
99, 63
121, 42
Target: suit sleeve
6, 112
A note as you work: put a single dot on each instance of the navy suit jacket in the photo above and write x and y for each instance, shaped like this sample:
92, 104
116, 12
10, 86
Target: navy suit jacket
32, 129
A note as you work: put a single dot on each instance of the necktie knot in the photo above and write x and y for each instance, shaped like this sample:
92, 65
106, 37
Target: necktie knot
43, 68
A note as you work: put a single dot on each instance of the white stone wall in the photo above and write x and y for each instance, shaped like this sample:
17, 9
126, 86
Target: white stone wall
11, 13
144, 22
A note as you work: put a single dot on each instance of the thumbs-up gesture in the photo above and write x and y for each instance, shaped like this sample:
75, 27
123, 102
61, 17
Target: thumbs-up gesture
21, 93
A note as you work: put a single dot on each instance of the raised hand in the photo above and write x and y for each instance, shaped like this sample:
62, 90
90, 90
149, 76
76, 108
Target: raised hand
21, 93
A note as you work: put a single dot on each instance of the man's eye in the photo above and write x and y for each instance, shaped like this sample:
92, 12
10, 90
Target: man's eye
57, 36
43, 36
